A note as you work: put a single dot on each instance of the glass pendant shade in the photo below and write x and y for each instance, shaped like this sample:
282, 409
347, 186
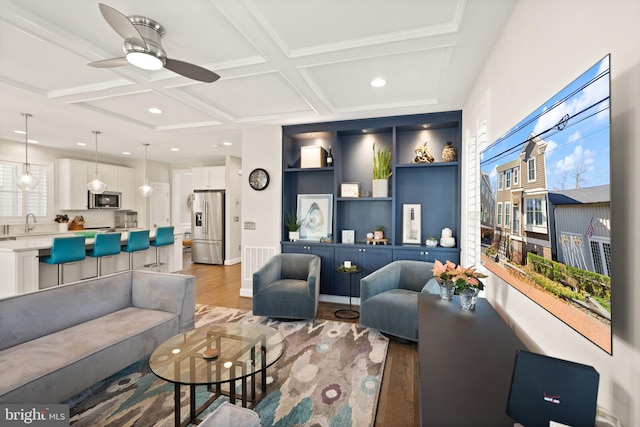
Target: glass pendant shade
145, 189
25, 180
96, 186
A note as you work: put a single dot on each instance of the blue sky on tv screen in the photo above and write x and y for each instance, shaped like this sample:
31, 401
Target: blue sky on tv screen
575, 125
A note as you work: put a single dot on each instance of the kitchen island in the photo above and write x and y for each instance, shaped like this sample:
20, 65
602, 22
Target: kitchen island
22, 272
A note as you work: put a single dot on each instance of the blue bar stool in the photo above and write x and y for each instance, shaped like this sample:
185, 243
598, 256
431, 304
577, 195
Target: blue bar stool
137, 241
164, 237
65, 250
105, 244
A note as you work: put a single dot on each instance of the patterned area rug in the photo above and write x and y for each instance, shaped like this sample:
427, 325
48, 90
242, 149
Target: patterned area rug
329, 375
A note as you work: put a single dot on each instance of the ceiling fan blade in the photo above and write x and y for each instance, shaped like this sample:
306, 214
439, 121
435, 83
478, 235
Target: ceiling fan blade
121, 24
109, 63
190, 70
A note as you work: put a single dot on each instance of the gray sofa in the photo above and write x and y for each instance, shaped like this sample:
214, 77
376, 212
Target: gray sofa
58, 341
389, 297
287, 287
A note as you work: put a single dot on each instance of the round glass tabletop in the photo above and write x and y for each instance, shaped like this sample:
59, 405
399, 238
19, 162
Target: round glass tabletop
242, 350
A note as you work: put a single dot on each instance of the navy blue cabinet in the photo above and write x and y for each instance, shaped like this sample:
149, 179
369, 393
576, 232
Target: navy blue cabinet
347, 182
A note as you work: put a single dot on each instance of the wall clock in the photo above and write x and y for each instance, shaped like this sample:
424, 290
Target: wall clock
259, 179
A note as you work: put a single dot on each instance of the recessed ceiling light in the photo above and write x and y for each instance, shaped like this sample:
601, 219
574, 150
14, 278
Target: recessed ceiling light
32, 141
175, 149
155, 110
364, 131
81, 144
378, 82
227, 143
126, 153
19, 132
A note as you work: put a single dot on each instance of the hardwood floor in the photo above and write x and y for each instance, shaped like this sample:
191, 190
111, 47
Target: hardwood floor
397, 406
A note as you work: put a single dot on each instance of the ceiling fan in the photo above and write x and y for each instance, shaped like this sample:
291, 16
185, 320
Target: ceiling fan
142, 47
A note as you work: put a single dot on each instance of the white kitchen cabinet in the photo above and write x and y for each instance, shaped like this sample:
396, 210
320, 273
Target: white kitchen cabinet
108, 175
73, 176
19, 272
209, 178
72, 184
126, 187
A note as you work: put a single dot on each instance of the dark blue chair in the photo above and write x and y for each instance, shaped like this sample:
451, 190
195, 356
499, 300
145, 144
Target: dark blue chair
137, 240
105, 244
65, 250
164, 237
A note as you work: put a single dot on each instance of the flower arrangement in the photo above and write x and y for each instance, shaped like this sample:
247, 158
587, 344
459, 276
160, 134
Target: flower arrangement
462, 278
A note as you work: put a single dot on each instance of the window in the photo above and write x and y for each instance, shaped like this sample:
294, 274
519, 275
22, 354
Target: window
535, 212
507, 215
499, 214
515, 175
601, 254
500, 179
507, 179
516, 221
531, 166
15, 203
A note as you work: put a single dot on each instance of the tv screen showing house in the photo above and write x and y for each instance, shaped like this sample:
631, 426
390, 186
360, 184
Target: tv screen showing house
546, 205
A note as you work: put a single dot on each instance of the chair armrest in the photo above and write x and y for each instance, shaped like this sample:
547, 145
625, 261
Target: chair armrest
267, 274
379, 281
175, 293
313, 278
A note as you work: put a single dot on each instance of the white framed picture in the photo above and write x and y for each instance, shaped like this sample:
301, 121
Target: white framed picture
350, 189
411, 224
348, 236
316, 211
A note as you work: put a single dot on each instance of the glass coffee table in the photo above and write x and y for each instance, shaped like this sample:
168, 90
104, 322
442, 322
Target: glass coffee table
244, 352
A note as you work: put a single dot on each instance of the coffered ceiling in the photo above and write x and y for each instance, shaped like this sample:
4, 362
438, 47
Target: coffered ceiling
280, 62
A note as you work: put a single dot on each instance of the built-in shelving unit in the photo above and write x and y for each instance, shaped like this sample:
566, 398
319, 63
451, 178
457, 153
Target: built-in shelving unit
434, 186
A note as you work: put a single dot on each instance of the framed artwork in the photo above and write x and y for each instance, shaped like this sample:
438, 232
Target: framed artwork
411, 225
316, 211
348, 236
350, 189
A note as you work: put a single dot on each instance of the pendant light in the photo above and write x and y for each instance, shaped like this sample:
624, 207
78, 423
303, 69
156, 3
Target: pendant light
96, 186
25, 180
145, 189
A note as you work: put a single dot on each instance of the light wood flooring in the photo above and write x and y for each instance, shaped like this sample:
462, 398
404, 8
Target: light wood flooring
397, 406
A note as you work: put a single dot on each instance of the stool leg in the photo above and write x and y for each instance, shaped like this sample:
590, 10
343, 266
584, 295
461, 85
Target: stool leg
157, 259
99, 266
60, 277
130, 260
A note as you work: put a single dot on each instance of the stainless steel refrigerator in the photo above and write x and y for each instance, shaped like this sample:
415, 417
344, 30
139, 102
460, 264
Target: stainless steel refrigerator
207, 227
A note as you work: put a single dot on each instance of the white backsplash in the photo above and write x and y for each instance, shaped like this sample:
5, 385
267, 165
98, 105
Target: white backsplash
94, 218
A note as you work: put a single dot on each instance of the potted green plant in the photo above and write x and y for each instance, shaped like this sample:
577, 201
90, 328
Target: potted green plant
293, 224
378, 233
381, 171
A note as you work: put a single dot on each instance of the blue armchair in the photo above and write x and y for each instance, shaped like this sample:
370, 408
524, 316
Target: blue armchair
287, 287
389, 297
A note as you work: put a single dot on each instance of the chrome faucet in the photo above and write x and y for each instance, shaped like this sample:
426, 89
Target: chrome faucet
26, 224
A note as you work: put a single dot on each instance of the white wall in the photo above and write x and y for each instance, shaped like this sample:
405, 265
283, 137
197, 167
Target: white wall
233, 210
261, 148
544, 46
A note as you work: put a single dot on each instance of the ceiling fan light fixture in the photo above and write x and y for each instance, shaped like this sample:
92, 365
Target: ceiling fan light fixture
145, 61
26, 180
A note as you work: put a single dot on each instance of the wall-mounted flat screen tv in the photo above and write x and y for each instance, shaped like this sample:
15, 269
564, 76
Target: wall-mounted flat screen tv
546, 214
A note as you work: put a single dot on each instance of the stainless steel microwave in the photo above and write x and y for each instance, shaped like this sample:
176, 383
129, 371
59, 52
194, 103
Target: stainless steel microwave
106, 200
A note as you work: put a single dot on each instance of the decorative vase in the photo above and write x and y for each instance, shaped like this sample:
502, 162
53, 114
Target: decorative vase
63, 226
468, 298
431, 242
378, 234
449, 153
380, 188
294, 235
446, 238
447, 290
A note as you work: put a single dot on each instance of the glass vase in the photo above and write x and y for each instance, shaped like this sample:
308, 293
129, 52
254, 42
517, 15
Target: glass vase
447, 290
468, 298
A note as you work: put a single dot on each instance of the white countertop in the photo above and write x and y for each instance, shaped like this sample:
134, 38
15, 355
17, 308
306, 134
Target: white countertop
35, 242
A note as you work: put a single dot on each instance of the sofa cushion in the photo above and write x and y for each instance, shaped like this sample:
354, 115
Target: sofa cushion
42, 362
29, 316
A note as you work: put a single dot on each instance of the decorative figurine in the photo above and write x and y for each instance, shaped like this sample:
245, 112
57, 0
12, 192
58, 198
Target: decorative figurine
422, 154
